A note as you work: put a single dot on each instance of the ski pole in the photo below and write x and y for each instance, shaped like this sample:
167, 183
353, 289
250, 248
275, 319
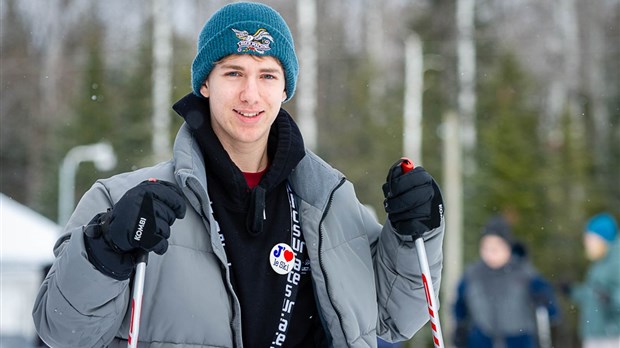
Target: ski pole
136, 300
543, 326
431, 300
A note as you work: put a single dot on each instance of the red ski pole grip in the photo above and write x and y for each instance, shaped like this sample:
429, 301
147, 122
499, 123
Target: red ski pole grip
406, 165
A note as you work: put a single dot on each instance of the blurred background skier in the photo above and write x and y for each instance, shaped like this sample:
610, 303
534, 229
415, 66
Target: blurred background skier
497, 295
598, 297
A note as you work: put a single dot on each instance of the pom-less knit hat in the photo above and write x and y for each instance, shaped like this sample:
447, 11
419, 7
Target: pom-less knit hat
604, 225
245, 28
498, 226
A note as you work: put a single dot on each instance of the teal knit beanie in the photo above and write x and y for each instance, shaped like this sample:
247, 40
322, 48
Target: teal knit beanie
604, 225
245, 28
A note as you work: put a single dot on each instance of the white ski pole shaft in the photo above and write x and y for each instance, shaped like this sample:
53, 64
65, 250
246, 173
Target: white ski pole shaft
136, 301
431, 299
544, 327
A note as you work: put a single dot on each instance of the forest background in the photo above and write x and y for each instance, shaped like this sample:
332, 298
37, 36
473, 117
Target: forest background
547, 111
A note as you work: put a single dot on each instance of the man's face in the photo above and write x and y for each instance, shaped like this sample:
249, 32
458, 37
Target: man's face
494, 251
245, 94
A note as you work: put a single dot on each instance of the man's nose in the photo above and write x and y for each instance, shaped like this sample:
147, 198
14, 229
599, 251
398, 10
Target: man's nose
250, 93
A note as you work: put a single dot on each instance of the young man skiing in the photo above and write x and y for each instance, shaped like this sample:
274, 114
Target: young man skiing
257, 241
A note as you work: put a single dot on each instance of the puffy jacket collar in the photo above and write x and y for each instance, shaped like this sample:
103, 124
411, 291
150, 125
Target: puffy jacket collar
314, 180
285, 150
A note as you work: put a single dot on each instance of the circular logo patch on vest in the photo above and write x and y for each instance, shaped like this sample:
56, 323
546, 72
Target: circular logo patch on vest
282, 258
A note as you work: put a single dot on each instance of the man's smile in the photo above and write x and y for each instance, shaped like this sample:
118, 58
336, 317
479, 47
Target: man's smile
248, 114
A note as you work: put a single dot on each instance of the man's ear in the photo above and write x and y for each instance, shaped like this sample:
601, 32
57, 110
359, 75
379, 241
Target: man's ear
204, 90
283, 95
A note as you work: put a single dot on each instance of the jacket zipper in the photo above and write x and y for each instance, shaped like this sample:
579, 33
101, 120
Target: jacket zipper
329, 203
202, 214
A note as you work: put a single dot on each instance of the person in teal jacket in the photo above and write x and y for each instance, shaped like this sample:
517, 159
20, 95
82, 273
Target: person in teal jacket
598, 297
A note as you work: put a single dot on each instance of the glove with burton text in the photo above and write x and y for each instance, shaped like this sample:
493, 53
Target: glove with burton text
413, 201
139, 222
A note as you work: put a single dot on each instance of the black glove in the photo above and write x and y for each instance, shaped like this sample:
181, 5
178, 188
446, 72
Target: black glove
413, 201
540, 292
139, 222
461, 335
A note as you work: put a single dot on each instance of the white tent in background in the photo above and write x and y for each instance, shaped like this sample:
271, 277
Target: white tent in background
26, 242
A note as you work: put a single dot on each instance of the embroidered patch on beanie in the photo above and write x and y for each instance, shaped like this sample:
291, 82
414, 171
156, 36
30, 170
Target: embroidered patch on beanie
245, 28
259, 42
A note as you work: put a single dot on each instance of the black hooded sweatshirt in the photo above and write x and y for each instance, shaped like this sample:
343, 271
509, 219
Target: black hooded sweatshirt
252, 221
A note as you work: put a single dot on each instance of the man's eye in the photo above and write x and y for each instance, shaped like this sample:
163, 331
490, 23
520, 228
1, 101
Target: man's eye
232, 73
269, 77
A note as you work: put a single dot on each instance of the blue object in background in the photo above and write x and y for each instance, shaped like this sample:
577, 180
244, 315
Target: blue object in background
382, 344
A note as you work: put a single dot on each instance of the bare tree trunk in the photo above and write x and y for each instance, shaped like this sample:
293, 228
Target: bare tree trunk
466, 57
307, 91
162, 79
453, 198
51, 108
564, 46
597, 91
564, 91
375, 46
414, 80
459, 149
48, 101
569, 27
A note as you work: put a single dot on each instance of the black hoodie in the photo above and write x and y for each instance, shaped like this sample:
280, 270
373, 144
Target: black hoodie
252, 221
